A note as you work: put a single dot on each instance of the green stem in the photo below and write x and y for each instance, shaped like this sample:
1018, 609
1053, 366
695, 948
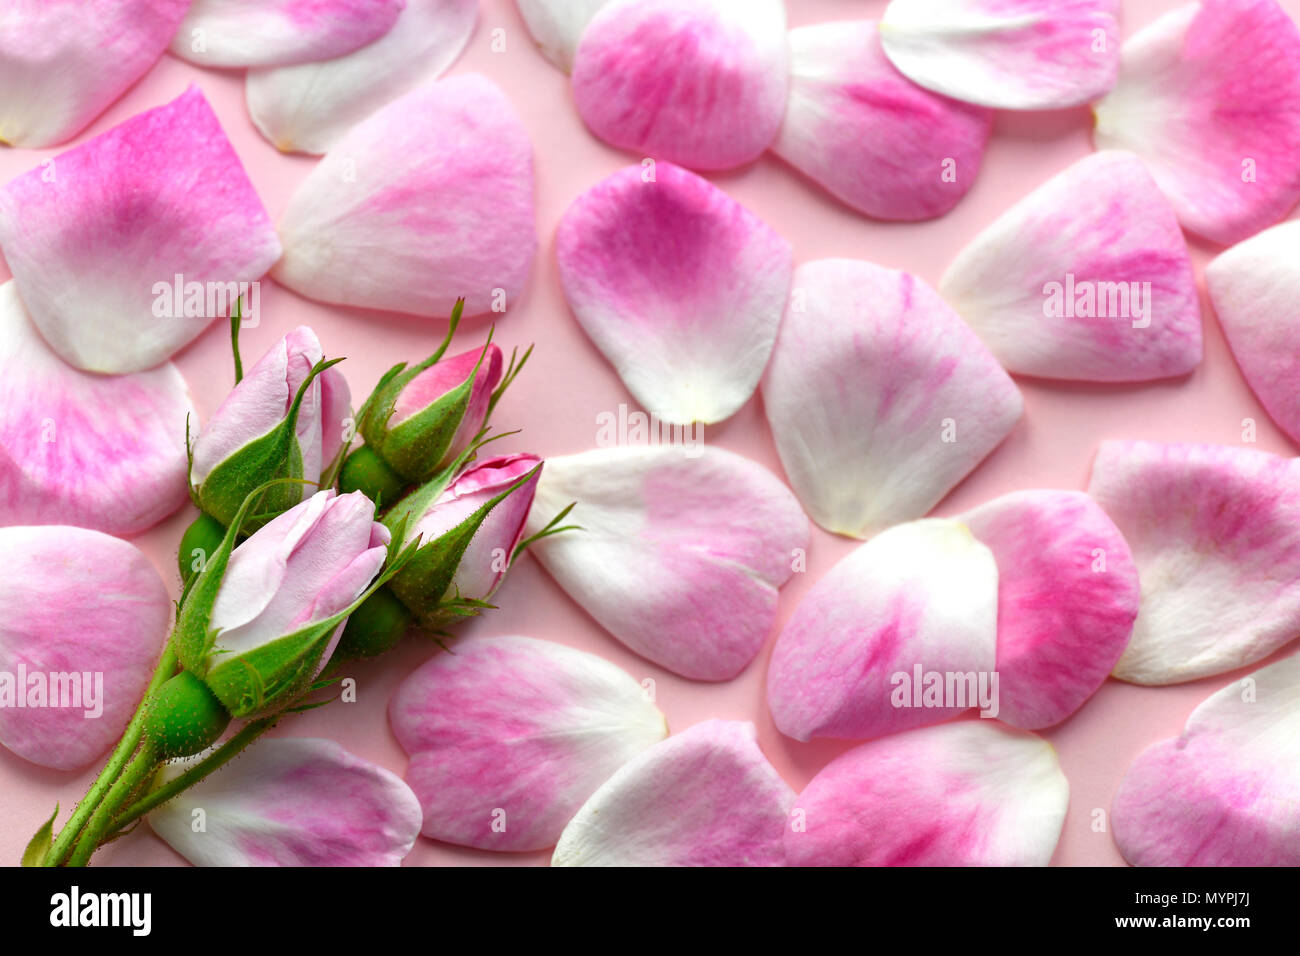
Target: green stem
71, 830
142, 765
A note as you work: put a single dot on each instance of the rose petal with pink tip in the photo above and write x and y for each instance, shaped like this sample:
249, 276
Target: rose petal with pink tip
704, 797
509, 736
880, 399
237, 33
1067, 598
1215, 534
1255, 289
1007, 54
1209, 97
678, 285
1227, 791
702, 83
968, 793
1100, 290
871, 137
557, 26
100, 237
83, 618
100, 451
855, 659
681, 552
309, 107
291, 801
427, 200
62, 62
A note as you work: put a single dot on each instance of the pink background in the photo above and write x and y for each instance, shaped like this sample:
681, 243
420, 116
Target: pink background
557, 399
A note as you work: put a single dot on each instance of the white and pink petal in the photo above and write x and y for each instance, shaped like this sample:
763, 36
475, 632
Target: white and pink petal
1215, 534
308, 107
859, 656
98, 451
880, 399
427, 200
704, 797
83, 619
1209, 97
1007, 54
702, 83
1067, 599
1100, 290
1226, 792
509, 736
291, 802
678, 285
968, 793
681, 551
557, 26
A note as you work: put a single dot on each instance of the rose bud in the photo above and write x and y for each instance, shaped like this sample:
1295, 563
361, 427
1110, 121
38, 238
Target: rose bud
283, 420
262, 619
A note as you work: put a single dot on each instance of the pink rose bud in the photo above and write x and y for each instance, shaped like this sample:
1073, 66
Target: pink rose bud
283, 420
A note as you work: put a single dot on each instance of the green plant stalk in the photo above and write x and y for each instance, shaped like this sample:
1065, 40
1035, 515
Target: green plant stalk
142, 766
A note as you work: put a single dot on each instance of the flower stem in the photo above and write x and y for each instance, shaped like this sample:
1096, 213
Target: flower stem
142, 765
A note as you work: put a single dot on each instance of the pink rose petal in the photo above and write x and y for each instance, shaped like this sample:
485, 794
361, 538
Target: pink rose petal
557, 25
880, 399
62, 62
84, 617
99, 451
968, 793
1209, 97
97, 237
1215, 533
702, 83
427, 200
870, 136
678, 285
235, 33
1067, 598
680, 554
309, 107
1007, 54
1255, 289
508, 736
855, 658
704, 797
1100, 290
1227, 791
292, 801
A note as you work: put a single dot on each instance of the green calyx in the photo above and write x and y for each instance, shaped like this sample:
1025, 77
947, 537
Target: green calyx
184, 717
199, 542
373, 628
366, 472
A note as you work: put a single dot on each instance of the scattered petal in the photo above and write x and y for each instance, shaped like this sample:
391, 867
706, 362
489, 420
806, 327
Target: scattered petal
235, 33
1067, 598
880, 399
509, 736
101, 238
557, 25
1098, 291
1209, 97
857, 658
702, 83
83, 618
292, 801
680, 552
103, 452
871, 137
1226, 792
1215, 533
968, 793
62, 64
427, 200
704, 797
1007, 54
1254, 287
678, 285
309, 107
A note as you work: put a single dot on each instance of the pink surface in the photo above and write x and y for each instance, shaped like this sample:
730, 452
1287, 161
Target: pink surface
557, 399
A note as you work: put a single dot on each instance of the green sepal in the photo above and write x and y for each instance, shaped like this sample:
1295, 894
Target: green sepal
39, 844
366, 472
